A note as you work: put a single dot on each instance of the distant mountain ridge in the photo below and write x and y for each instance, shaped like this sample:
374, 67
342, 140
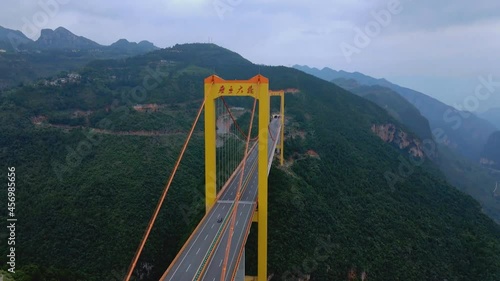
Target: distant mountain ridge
62, 38
8, 34
391, 101
124, 44
23, 60
9, 39
461, 131
467, 174
329, 74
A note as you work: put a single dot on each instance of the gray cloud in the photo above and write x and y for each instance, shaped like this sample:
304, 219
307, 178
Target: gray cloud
432, 15
431, 41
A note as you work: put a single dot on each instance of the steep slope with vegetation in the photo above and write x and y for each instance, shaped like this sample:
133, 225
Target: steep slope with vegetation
467, 175
389, 100
463, 132
354, 206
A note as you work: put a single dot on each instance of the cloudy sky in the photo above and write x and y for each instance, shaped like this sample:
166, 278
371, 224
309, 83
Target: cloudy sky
438, 47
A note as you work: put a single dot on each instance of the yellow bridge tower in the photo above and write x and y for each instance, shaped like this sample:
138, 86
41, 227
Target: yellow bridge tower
258, 88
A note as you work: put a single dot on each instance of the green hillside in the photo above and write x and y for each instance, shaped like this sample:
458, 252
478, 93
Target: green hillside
468, 176
461, 131
86, 196
391, 101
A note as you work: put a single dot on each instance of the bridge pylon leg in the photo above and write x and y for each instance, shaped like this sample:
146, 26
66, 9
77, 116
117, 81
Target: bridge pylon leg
264, 116
210, 150
282, 141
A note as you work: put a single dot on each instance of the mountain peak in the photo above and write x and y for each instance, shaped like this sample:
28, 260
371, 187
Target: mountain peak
146, 43
61, 38
121, 42
11, 39
143, 46
62, 29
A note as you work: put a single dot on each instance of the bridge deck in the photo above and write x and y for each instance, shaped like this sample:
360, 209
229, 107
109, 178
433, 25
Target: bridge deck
202, 255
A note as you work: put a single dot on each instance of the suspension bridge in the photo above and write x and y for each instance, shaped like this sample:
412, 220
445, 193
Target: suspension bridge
236, 175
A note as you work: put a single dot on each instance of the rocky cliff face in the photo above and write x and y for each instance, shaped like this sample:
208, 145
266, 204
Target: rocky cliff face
62, 38
395, 136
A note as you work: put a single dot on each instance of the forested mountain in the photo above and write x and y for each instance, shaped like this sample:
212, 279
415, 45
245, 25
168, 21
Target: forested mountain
145, 46
462, 132
462, 172
61, 38
24, 60
10, 38
91, 168
391, 101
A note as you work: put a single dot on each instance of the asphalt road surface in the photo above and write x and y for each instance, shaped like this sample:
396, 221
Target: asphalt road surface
201, 258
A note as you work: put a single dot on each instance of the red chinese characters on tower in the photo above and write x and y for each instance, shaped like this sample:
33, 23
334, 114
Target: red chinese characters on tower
228, 89
222, 89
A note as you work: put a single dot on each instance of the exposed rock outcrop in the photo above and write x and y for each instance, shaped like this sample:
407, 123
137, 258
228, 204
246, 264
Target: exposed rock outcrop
393, 135
62, 38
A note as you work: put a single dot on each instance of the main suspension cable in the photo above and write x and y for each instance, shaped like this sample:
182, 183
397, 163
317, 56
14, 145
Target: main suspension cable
238, 195
234, 121
162, 198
